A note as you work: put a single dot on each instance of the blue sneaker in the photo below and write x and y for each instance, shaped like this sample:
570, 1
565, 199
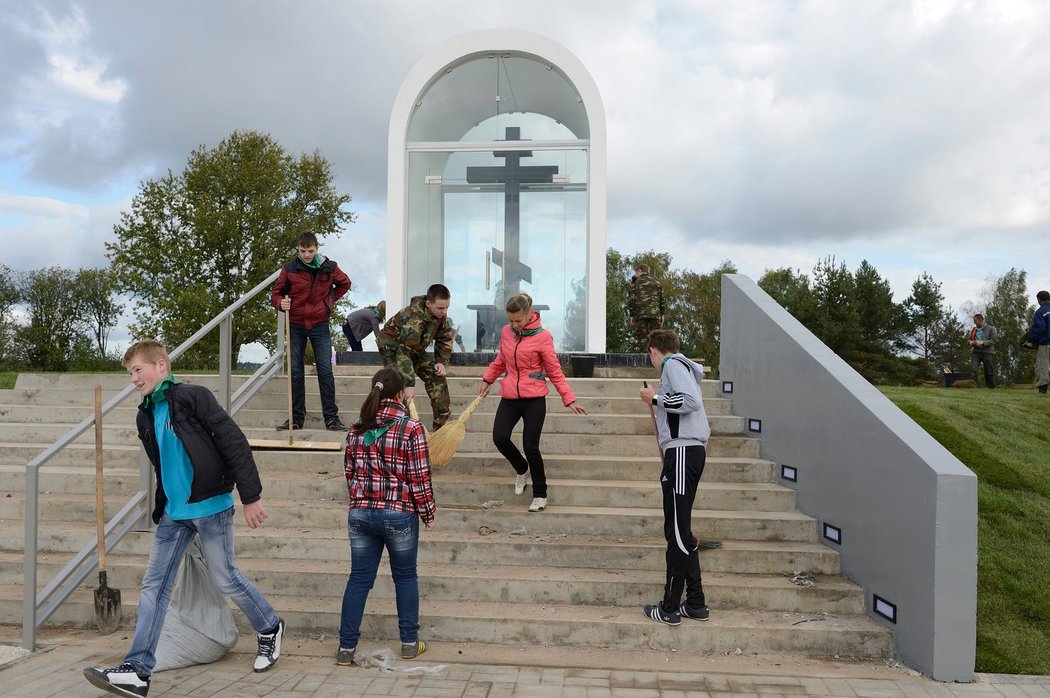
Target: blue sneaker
658, 614
702, 613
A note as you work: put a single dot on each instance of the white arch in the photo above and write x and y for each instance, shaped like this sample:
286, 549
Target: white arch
431, 65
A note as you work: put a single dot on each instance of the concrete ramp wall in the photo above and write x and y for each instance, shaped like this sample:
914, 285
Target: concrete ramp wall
905, 508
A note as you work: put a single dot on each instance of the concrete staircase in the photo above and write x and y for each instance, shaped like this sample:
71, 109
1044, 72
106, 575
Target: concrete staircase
572, 577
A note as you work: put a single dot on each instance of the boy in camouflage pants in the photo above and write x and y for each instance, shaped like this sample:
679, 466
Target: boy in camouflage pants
645, 306
403, 344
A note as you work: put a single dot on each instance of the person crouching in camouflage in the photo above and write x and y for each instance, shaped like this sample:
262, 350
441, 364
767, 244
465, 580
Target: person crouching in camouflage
403, 344
645, 305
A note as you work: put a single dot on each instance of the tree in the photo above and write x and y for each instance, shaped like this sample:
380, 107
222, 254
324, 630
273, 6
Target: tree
695, 311
54, 318
618, 269
924, 312
948, 346
835, 318
195, 242
880, 318
576, 318
1010, 312
791, 290
9, 297
617, 333
98, 289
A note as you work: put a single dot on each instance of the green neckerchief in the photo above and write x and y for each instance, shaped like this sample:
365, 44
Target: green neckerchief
158, 393
528, 333
315, 263
373, 435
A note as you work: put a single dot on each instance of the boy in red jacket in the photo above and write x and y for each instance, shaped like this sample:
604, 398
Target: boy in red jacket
307, 289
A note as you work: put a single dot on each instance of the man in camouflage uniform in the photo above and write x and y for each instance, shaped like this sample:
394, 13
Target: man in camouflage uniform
403, 344
645, 303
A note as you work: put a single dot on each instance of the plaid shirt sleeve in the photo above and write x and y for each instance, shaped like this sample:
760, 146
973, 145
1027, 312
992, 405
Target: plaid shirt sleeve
417, 471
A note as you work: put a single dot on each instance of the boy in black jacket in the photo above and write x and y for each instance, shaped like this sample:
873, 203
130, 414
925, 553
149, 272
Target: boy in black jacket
198, 453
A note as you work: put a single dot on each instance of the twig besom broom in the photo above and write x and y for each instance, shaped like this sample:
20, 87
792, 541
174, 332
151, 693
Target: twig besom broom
445, 441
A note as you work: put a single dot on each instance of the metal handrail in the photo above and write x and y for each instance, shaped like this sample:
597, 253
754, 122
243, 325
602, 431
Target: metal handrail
38, 607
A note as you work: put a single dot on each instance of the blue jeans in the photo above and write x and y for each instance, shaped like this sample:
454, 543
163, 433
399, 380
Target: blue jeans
169, 545
321, 339
370, 530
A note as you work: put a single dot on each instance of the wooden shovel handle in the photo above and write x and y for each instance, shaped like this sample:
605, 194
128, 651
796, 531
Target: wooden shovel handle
100, 511
288, 356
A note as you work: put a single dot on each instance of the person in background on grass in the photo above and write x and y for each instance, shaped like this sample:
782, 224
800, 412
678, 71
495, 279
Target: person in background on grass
982, 341
682, 430
403, 345
387, 468
363, 322
1039, 339
526, 354
198, 453
306, 290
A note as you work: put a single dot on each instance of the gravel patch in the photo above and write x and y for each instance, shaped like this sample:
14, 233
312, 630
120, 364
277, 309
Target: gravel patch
10, 653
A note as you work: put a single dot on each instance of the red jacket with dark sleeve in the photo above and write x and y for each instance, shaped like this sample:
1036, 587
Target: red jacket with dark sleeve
313, 291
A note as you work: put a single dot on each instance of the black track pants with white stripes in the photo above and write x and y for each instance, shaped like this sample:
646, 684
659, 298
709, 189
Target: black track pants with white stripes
683, 466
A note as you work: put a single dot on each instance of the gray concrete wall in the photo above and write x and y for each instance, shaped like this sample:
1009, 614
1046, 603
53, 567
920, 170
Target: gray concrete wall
907, 507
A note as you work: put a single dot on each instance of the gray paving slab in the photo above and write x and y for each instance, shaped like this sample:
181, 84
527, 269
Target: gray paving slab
55, 670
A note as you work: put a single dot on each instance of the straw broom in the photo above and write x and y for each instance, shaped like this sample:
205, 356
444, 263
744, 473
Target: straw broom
444, 442
414, 414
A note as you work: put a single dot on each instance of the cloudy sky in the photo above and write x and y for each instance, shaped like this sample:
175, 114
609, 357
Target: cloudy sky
915, 135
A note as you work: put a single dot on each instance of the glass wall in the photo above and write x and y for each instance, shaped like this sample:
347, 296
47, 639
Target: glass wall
488, 219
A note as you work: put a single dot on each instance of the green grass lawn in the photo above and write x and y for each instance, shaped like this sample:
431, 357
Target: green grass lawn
1004, 437
7, 379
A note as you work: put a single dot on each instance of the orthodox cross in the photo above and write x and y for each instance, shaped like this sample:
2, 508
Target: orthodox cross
512, 175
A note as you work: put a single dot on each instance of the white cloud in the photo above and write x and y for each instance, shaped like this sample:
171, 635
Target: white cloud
771, 134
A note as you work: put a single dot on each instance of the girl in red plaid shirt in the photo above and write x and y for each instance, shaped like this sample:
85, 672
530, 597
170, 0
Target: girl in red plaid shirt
388, 479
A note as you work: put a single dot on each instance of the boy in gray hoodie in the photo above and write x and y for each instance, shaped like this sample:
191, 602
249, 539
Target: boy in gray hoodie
682, 430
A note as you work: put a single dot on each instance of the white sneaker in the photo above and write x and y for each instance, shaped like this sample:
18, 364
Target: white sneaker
520, 482
538, 504
269, 649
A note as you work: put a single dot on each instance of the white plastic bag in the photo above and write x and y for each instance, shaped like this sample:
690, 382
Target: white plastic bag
199, 627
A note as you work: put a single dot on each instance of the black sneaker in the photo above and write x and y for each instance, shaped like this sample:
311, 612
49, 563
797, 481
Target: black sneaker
283, 426
703, 613
658, 614
345, 657
335, 425
122, 680
269, 649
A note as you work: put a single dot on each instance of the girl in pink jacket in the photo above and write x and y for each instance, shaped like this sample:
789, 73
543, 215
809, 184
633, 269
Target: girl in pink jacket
526, 355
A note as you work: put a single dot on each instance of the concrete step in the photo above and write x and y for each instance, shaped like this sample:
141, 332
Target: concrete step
635, 468
273, 406
553, 624
75, 494
66, 470
52, 385
512, 516
58, 540
559, 420
458, 582
572, 443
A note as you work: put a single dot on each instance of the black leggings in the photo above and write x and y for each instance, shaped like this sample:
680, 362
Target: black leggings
532, 411
683, 467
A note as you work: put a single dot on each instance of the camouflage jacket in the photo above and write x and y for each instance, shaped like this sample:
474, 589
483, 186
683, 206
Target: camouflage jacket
646, 298
412, 330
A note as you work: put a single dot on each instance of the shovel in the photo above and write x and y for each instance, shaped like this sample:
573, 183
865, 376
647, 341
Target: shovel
706, 544
107, 600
